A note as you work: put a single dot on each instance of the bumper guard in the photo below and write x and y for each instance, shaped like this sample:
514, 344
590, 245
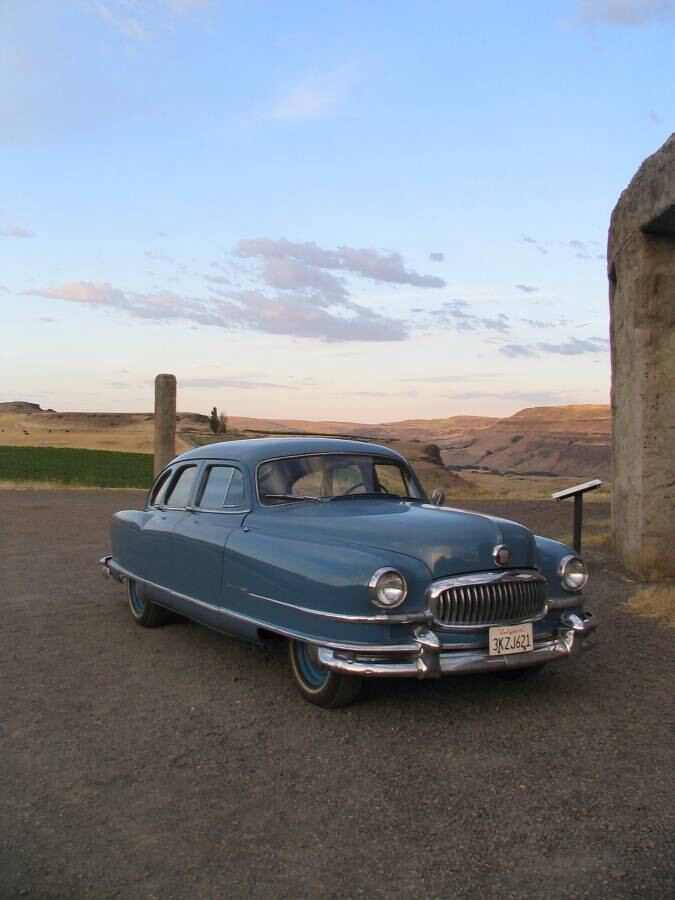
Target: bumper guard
431, 661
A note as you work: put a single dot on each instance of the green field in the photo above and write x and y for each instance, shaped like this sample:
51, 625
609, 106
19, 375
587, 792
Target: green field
65, 465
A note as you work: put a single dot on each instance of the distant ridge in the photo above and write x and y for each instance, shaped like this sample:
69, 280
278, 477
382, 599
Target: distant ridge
541, 440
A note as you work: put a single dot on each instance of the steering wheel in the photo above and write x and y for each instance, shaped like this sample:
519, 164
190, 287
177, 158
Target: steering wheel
352, 488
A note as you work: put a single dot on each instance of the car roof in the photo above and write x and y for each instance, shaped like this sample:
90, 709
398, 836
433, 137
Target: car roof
257, 450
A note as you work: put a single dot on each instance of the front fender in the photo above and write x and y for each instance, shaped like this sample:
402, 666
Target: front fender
320, 575
287, 584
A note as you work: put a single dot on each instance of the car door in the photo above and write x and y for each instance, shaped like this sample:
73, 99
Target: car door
157, 562
200, 535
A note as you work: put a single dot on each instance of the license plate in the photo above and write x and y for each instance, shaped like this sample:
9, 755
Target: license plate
505, 639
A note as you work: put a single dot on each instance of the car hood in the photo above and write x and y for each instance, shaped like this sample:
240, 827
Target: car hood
449, 541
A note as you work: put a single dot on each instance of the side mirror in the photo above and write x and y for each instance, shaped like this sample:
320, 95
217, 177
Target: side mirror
438, 497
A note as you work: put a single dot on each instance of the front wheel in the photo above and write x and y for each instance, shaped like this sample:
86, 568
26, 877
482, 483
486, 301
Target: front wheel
319, 685
144, 611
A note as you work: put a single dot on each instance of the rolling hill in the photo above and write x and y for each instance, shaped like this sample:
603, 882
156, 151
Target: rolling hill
547, 440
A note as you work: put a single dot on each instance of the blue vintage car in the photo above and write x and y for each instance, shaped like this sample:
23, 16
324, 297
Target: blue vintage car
334, 546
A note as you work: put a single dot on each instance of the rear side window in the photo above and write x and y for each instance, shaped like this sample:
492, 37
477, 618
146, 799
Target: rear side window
158, 489
223, 488
179, 493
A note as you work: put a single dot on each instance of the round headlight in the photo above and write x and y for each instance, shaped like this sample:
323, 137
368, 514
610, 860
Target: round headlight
572, 572
387, 588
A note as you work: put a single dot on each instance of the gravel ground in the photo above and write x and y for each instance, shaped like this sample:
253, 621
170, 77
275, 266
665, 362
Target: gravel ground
179, 763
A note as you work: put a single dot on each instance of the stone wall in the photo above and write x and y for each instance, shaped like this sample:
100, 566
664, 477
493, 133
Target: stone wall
641, 267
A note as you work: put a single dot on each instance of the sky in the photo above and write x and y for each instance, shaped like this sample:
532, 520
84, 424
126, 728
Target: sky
362, 211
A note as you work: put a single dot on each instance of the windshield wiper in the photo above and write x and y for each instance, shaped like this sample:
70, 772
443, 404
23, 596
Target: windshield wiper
291, 497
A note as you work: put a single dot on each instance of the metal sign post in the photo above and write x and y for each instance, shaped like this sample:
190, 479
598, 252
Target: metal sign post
577, 492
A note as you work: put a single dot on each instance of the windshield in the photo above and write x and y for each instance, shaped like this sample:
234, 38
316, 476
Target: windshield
335, 476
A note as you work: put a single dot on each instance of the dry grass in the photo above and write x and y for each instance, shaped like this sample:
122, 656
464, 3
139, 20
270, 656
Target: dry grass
656, 602
596, 539
529, 487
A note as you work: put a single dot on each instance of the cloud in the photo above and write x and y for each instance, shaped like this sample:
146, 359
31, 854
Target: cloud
455, 314
380, 394
136, 21
309, 315
290, 274
526, 288
158, 256
115, 13
47, 319
217, 279
457, 376
530, 240
5, 290
238, 383
540, 397
516, 350
574, 346
436, 257
625, 13
17, 231
184, 6
571, 347
314, 97
537, 323
365, 262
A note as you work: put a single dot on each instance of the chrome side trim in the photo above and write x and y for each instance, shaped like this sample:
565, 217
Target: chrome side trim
267, 626
394, 619
230, 511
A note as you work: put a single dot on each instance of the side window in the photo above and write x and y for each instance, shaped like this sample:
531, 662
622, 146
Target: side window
158, 488
235, 494
180, 491
223, 488
390, 479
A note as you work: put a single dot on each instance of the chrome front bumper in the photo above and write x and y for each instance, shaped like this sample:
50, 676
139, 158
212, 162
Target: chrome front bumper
431, 661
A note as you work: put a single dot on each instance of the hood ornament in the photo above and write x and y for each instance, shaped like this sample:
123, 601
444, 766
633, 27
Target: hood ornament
501, 555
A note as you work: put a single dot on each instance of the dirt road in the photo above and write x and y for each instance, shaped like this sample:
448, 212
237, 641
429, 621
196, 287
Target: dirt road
178, 763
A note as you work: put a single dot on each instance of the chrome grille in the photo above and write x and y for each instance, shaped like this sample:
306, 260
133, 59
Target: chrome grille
489, 599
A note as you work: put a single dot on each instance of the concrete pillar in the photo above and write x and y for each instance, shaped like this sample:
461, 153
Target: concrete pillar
165, 420
641, 267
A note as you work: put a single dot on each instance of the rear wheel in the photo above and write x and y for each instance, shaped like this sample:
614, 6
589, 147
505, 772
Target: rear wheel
319, 685
144, 611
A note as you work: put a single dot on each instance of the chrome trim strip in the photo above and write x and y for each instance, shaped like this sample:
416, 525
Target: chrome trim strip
230, 511
268, 626
563, 602
478, 578
453, 663
395, 619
